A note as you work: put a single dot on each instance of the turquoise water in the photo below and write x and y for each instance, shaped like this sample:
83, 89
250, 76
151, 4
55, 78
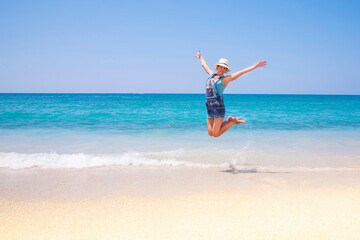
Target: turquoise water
86, 130
142, 112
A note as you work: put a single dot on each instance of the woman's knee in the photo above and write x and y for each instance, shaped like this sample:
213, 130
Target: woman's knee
210, 132
216, 134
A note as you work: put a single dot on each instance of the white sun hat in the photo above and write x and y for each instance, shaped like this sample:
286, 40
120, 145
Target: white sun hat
223, 62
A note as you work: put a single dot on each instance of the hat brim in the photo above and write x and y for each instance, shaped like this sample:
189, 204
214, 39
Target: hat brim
223, 65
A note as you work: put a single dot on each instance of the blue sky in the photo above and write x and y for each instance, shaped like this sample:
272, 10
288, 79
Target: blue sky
312, 47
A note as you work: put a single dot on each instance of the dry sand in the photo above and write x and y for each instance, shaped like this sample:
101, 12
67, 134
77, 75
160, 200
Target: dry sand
178, 203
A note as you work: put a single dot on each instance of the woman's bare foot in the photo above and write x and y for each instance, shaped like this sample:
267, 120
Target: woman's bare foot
229, 119
237, 120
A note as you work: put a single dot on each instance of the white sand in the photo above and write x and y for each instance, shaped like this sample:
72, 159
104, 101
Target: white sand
178, 203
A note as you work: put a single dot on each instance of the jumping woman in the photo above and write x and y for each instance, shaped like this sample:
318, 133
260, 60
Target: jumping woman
215, 86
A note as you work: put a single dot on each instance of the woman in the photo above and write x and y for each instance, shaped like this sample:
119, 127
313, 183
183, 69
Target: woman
215, 86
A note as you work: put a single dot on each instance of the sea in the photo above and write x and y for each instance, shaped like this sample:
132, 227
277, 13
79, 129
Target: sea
281, 133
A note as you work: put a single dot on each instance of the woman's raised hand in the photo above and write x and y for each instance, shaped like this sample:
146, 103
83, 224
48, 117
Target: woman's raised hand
198, 54
261, 63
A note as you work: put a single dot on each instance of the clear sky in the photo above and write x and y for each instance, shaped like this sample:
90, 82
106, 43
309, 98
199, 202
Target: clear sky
312, 47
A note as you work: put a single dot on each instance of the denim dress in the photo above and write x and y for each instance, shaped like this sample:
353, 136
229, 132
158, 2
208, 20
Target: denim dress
214, 101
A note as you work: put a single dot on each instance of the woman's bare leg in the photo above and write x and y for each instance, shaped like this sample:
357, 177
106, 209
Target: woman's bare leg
219, 127
210, 124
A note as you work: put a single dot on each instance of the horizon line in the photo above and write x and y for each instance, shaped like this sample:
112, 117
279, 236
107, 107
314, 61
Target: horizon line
320, 94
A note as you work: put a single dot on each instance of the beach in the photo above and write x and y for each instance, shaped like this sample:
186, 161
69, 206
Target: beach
142, 166
127, 120
178, 203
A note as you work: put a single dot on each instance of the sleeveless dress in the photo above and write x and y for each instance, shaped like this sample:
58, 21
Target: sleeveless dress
214, 97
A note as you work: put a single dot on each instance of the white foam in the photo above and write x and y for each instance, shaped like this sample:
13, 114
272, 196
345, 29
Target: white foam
15, 160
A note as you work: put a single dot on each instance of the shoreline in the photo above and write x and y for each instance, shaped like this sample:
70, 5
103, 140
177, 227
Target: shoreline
152, 180
178, 203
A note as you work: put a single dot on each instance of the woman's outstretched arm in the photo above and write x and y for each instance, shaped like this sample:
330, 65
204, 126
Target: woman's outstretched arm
203, 63
232, 77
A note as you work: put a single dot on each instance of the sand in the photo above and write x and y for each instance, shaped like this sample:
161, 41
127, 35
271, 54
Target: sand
178, 203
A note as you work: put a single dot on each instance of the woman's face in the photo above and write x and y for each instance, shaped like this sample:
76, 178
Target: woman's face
221, 70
